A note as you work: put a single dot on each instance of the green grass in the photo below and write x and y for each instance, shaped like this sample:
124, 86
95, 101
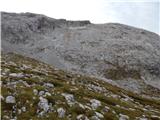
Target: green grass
121, 73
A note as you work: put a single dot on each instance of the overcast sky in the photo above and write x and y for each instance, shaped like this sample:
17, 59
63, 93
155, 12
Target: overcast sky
138, 13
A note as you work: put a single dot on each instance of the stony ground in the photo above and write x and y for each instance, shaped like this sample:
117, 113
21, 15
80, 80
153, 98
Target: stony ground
32, 90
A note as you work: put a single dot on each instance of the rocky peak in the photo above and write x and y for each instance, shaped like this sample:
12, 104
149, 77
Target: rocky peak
20, 27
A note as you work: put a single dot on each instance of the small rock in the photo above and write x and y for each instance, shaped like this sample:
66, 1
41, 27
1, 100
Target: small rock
10, 99
123, 117
48, 85
6, 70
23, 109
19, 111
25, 66
82, 117
79, 117
132, 109
78, 75
12, 83
96, 88
47, 94
27, 101
26, 84
1, 97
33, 98
114, 96
43, 104
13, 119
14, 109
99, 115
6, 117
41, 113
61, 112
12, 63
35, 91
155, 117
1, 83
73, 82
118, 106
69, 98
41, 93
31, 105
144, 109
18, 75
82, 106
95, 103
113, 112
87, 107
106, 109
143, 118
94, 118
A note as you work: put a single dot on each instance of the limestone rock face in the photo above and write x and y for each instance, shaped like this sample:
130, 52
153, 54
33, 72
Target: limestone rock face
127, 55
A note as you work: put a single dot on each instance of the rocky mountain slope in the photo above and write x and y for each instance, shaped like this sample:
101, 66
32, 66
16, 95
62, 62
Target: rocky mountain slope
32, 90
125, 55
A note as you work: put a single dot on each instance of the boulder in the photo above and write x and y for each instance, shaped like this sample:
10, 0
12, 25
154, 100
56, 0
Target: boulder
95, 103
10, 99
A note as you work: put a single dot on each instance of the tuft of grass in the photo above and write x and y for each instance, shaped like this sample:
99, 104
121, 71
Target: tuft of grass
110, 116
77, 109
131, 114
121, 73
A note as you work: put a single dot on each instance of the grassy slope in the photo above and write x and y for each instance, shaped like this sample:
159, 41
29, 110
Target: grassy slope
40, 73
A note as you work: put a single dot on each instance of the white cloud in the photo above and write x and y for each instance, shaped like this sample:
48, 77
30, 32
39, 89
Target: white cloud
140, 14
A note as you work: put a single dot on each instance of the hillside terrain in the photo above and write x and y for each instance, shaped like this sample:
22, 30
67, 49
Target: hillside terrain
33, 90
123, 55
